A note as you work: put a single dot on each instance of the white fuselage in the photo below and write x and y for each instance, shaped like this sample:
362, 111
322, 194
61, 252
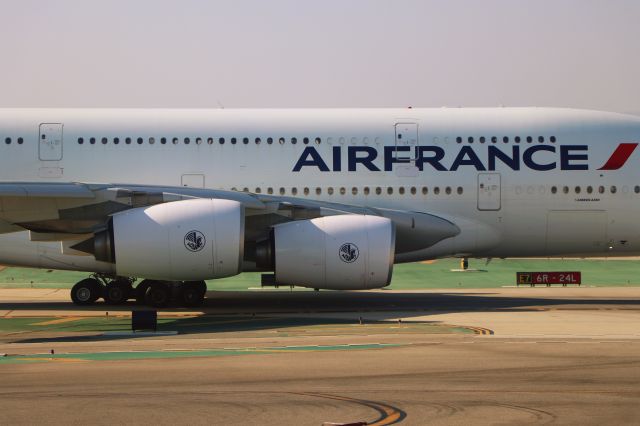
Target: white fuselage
517, 181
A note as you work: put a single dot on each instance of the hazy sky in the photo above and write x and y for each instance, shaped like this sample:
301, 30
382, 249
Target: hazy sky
321, 53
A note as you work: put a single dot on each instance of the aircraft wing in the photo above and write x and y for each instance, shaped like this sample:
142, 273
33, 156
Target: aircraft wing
59, 211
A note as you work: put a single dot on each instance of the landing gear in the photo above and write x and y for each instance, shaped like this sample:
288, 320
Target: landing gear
193, 293
118, 291
159, 294
87, 291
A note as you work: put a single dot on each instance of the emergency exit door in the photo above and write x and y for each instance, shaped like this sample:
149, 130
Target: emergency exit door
50, 145
489, 191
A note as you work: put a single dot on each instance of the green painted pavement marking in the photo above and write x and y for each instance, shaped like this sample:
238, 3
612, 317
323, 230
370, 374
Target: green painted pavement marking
118, 356
220, 324
437, 274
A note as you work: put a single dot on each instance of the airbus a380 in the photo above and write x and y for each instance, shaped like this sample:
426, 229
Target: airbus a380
321, 198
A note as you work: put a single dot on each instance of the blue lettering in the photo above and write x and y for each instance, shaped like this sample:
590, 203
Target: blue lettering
512, 162
527, 158
366, 161
566, 157
434, 160
315, 160
472, 159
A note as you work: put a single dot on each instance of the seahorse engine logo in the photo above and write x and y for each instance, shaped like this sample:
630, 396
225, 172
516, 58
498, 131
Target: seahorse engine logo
194, 240
348, 252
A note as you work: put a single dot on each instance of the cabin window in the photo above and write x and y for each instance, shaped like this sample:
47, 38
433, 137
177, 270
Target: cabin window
401, 190
318, 141
613, 189
294, 191
221, 141
306, 191
552, 139
425, 190
470, 139
589, 189
565, 189
234, 141
343, 190
366, 190
436, 190
8, 140
281, 191
636, 189
517, 139
294, 141
354, 191
577, 189
269, 190
459, 139
505, 139
92, 141
601, 189
163, 141
448, 190
187, 141
258, 141
482, 139
198, 141
529, 139
269, 141
541, 139
258, 190
330, 190
554, 189
80, 141
152, 140
209, 141
460, 190
494, 139
413, 190
378, 190
20, 141
116, 141
389, 190
305, 141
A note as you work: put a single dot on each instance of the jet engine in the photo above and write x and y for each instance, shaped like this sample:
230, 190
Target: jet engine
181, 240
342, 252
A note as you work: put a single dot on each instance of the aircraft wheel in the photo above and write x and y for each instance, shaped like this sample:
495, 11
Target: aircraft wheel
158, 294
193, 293
117, 291
141, 291
86, 291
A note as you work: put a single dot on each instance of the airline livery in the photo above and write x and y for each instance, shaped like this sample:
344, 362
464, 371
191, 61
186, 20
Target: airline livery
152, 202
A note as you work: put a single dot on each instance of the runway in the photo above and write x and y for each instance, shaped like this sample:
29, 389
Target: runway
499, 356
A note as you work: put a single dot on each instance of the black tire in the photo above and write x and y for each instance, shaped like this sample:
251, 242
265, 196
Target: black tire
193, 293
86, 291
158, 294
141, 291
117, 292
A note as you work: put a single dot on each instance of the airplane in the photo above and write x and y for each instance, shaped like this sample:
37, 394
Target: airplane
153, 202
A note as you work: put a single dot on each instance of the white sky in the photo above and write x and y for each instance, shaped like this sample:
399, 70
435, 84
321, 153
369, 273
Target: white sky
328, 53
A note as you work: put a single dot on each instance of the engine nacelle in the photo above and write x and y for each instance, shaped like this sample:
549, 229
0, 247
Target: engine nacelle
343, 252
181, 240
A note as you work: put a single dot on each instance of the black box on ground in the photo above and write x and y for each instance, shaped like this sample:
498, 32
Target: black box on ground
144, 320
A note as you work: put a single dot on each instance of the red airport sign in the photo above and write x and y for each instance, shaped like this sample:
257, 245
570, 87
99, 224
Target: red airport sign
548, 278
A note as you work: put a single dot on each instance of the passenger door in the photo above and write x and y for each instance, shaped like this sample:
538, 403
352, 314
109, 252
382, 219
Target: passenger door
50, 146
489, 191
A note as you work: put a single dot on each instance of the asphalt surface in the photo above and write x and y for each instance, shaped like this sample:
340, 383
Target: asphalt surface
501, 356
